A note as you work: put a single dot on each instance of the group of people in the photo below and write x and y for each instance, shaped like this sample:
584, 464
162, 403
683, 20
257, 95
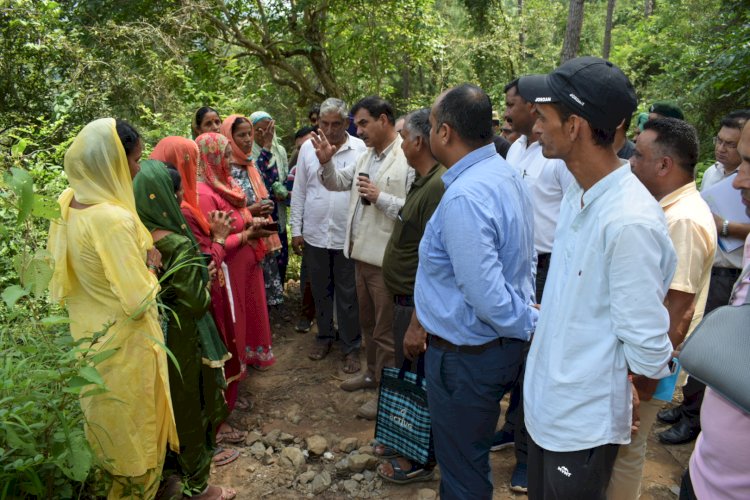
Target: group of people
185, 250
562, 264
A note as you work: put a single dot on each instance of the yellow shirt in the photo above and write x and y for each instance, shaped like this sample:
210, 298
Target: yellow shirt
693, 234
109, 284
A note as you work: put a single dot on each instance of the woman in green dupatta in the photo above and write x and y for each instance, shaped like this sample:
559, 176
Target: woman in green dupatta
197, 380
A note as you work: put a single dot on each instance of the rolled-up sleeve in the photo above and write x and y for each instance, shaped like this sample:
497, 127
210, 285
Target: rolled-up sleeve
642, 264
337, 180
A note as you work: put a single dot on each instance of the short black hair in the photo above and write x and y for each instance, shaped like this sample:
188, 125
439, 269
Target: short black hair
174, 174
376, 106
304, 131
129, 136
602, 137
678, 139
418, 123
468, 110
511, 85
736, 119
314, 110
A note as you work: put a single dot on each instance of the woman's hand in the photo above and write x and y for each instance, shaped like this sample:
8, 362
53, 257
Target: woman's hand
254, 229
259, 208
265, 135
221, 223
153, 259
212, 272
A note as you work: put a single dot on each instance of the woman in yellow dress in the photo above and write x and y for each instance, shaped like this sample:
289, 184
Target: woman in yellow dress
100, 250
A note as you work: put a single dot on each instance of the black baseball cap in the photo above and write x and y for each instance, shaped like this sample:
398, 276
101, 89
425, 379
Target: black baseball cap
593, 88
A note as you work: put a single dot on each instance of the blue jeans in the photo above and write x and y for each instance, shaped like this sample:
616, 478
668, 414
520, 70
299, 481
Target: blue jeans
463, 394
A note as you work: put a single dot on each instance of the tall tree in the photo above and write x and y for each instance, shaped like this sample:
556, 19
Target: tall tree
572, 31
606, 47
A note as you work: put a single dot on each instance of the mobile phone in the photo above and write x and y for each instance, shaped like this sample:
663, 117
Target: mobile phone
365, 201
271, 226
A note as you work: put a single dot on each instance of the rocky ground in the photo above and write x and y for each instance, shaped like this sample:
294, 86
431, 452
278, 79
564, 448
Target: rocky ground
304, 440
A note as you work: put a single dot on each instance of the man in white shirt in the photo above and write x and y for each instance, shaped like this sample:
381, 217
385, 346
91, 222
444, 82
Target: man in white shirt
319, 225
725, 271
664, 159
547, 179
377, 186
602, 315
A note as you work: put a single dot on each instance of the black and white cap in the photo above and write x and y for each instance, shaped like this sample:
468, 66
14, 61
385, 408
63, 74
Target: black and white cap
593, 88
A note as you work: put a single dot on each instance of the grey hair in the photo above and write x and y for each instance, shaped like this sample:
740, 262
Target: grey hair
418, 123
333, 105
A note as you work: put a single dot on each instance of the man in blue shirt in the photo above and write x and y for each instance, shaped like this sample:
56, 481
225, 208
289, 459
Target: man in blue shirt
603, 312
474, 289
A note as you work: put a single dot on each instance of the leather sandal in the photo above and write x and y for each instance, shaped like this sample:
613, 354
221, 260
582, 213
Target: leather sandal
351, 363
319, 351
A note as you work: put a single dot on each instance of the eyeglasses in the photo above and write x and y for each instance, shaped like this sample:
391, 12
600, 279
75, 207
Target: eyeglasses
720, 142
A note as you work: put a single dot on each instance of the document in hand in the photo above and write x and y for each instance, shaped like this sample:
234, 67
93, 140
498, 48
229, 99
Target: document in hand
726, 202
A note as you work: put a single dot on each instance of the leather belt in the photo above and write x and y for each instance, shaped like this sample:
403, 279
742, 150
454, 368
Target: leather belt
726, 271
445, 345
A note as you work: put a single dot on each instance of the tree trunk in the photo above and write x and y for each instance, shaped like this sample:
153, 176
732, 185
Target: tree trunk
521, 34
572, 31
608, 29
648, 7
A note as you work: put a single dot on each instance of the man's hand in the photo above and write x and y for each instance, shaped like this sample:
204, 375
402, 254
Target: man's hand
636, 408
367, 189
324, 150
415, 339
298, 243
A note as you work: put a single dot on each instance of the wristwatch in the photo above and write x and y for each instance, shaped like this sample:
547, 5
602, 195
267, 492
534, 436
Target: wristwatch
220, 241
725, 228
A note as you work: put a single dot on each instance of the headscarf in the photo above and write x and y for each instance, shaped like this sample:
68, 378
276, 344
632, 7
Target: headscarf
183, 154
279, 157
213, 166
156, 202
97, 171
239, 157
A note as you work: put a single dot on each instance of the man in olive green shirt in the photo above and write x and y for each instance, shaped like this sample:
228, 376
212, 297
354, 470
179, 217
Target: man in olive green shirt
402, 252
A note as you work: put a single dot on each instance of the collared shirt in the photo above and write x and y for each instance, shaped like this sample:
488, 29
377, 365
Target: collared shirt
548, 179
320, 215
371, 167
693, 234
474, 280
402, 252
602, 313
713, 175
718, 465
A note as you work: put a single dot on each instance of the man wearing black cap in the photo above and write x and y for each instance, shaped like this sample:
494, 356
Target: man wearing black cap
602, 315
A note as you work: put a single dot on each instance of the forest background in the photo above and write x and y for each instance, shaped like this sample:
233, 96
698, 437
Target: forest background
63, 64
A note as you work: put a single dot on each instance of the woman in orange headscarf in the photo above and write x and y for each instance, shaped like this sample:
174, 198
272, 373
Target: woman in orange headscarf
239, 131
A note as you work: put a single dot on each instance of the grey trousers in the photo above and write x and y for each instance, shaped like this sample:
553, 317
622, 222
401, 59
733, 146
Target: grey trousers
332, 275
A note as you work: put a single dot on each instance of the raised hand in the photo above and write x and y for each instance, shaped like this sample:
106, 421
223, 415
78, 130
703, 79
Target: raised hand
324, 150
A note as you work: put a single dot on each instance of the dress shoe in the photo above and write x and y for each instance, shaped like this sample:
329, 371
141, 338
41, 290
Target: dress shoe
361, 381
670, 415
680, 433
369, 410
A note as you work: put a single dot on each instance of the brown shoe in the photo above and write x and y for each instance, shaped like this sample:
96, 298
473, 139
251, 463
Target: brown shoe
319, 351
362, 381
369, 410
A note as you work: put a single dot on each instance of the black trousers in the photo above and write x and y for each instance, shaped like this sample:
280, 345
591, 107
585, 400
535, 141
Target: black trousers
686, 487
572, 475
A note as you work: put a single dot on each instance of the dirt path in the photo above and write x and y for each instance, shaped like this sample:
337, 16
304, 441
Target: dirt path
298, 398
